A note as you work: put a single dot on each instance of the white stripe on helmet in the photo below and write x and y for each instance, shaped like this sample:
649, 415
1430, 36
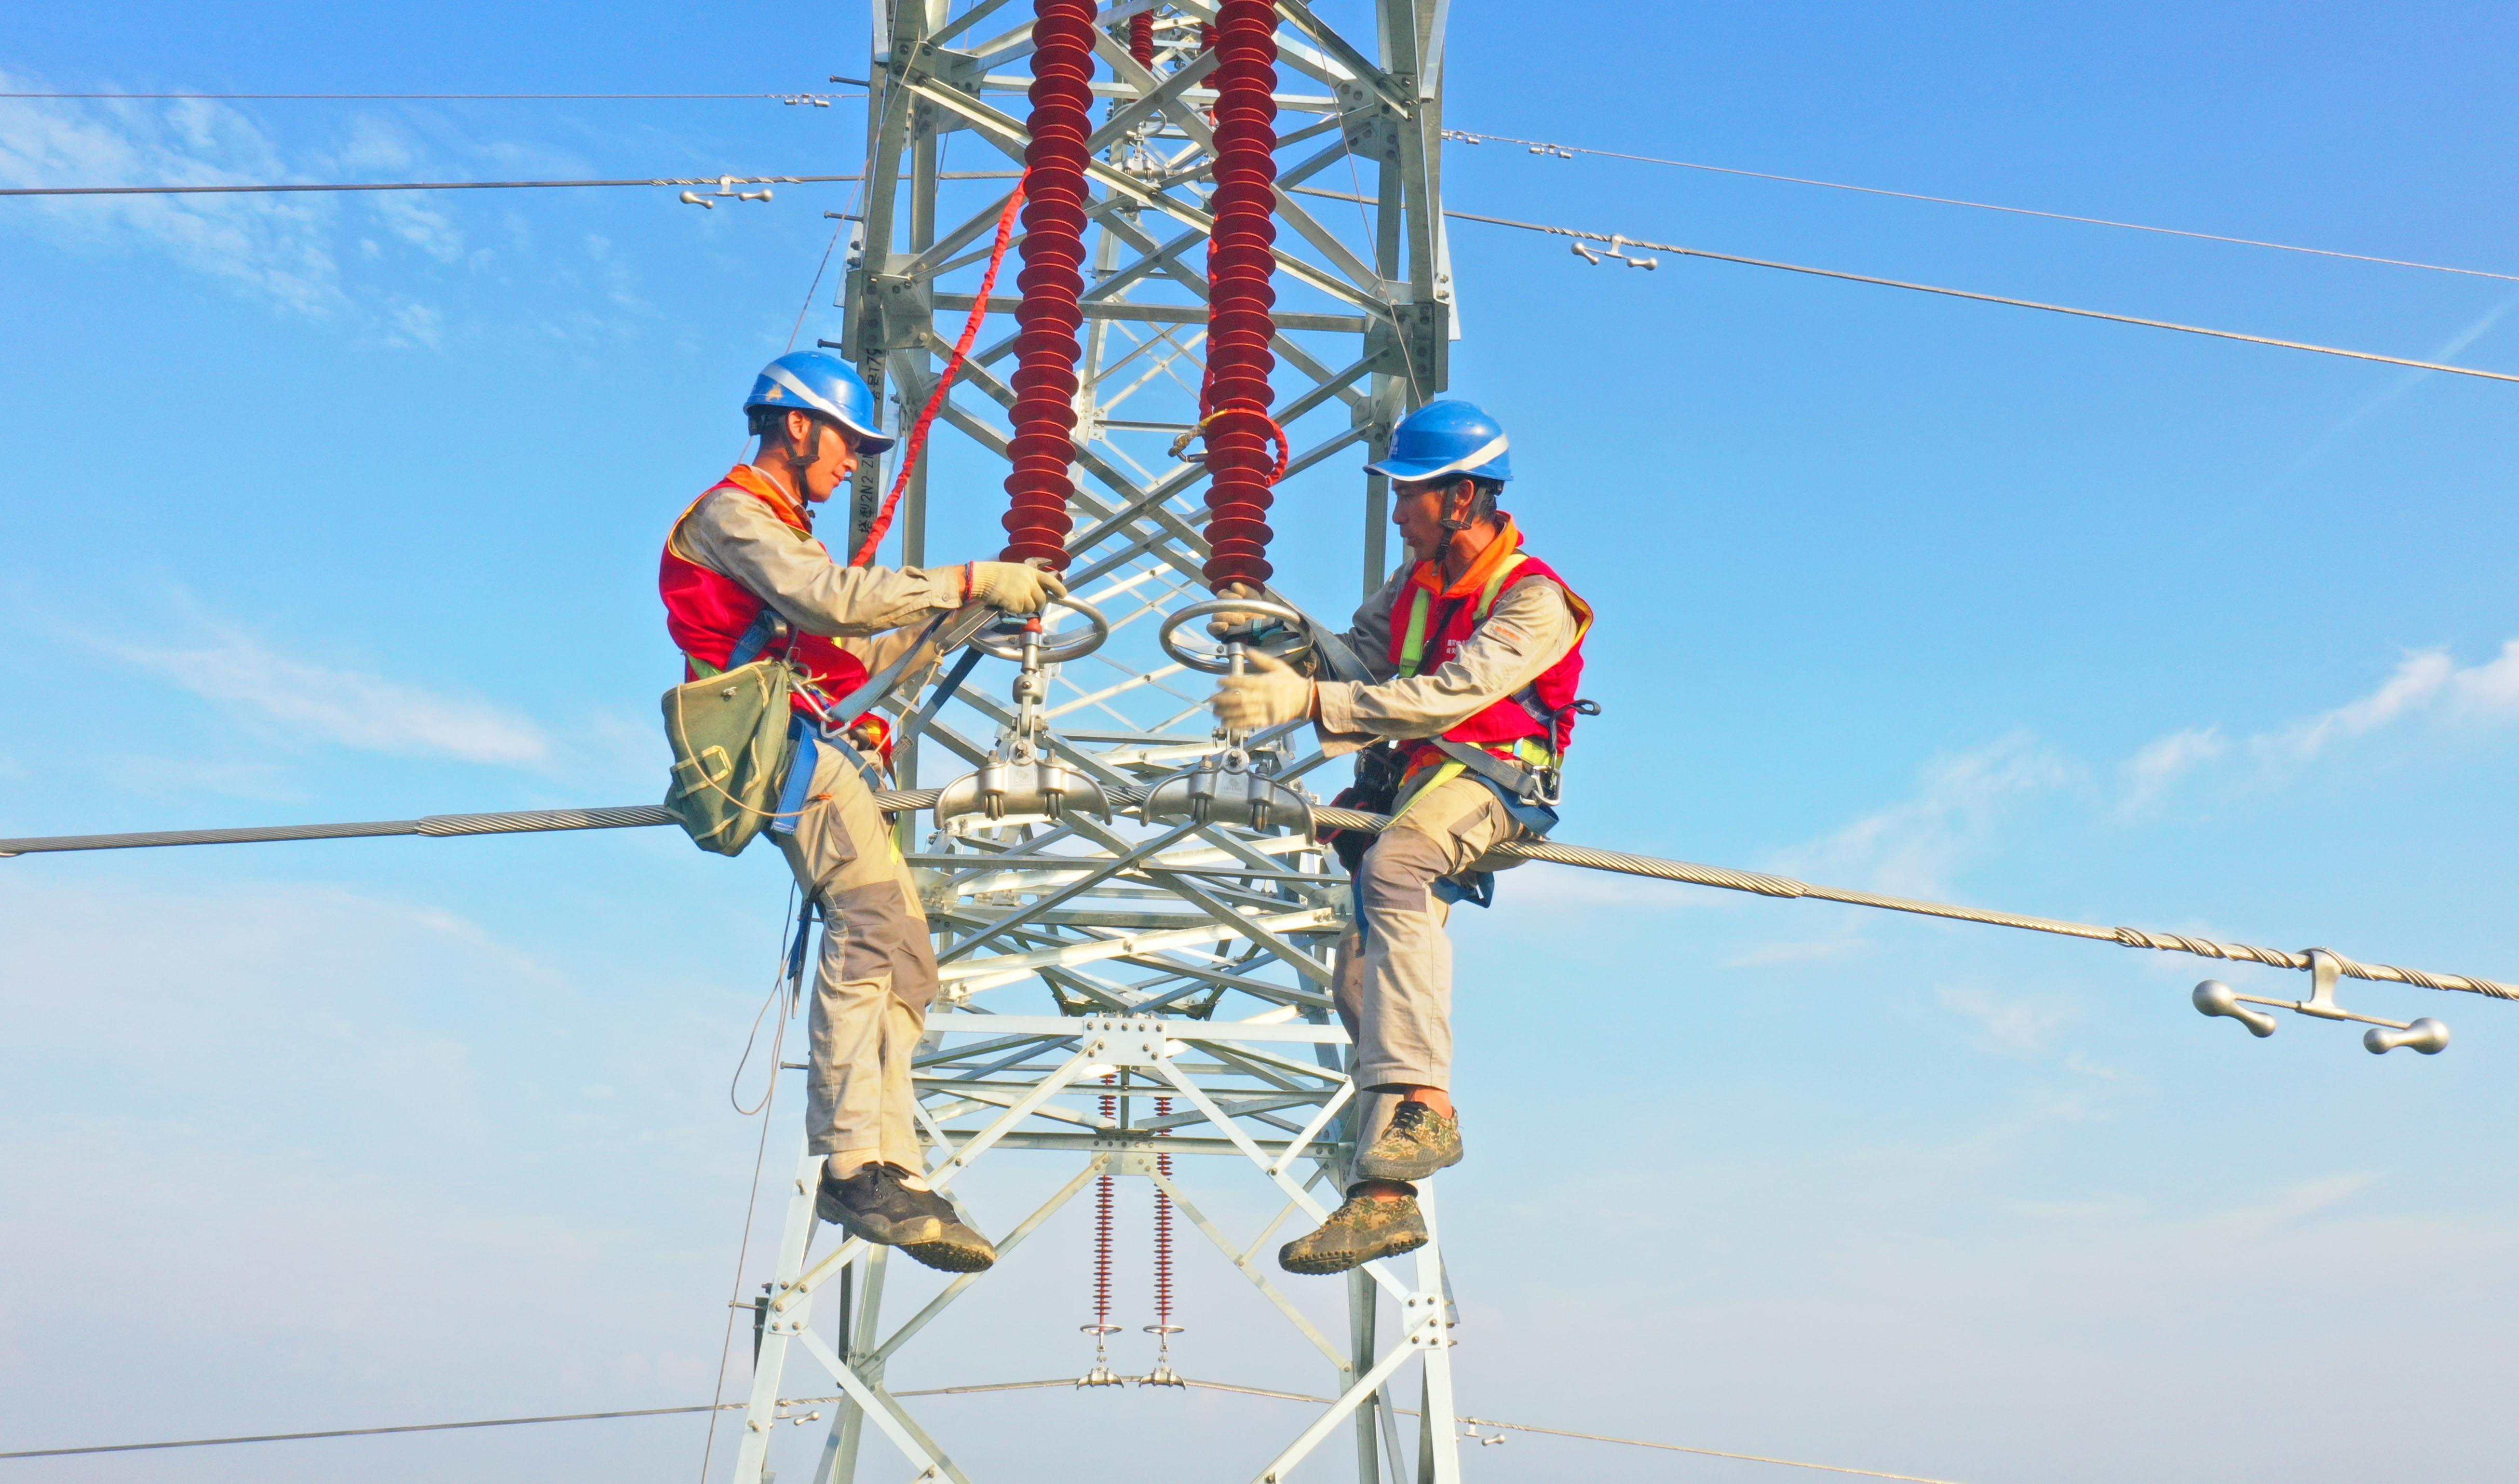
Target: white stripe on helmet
813, 399
786, 379
1469, 460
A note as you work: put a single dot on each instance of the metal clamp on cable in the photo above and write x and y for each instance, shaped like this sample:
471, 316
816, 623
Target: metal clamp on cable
1231, 786
2215, 999
1020, 782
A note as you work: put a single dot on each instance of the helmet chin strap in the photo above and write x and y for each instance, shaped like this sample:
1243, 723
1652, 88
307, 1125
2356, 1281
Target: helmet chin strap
797, 464
1450, 526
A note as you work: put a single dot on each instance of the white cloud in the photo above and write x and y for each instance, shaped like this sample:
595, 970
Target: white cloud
1912, 848
2427, 685
277, 247
232, 666
2010, 1027
2163, 762
418, 324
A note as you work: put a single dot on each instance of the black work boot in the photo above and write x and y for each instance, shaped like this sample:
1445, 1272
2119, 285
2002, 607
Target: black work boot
1419, 1141
957, 1249
1359, 1231
874, 1204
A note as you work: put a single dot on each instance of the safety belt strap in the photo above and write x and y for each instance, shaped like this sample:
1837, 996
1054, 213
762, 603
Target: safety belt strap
755, 637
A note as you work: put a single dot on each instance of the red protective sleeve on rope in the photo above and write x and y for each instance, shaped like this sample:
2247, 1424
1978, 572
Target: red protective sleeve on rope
918, 439
1242, 295
1052, 280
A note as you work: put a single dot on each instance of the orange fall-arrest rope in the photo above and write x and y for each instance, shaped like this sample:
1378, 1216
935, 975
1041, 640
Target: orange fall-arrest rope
918, 439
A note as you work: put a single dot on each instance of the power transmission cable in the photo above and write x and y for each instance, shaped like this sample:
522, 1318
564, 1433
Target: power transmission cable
1538, 146
629, 816
1064, 1383
785, 98
420, 185
1618, 239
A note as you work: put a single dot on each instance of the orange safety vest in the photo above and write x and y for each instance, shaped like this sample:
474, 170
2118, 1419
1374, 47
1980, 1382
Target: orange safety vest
1438, 619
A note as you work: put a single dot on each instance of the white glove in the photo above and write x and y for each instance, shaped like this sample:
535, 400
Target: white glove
1013, 587
1230, 628
1271, 691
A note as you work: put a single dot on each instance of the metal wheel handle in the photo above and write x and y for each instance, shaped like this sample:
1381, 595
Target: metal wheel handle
1004, 638
1215, 662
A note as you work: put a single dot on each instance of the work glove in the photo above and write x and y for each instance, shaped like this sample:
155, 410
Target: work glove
1271, 691
1014, 586
1241, 628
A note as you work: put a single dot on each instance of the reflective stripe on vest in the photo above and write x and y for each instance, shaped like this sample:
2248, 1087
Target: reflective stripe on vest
1412, 647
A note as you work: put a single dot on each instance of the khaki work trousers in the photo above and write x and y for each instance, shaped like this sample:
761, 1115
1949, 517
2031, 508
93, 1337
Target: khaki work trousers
876, 974
1395, 970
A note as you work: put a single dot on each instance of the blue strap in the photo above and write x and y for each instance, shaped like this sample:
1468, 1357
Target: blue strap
1478, 890
802, 760
755, 637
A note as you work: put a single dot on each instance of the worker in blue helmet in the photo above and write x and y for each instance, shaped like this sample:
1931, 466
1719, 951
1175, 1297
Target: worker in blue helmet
1469, 656
745, 578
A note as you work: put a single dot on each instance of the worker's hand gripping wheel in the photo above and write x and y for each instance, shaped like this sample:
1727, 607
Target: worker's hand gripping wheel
1020, 782
1230, 787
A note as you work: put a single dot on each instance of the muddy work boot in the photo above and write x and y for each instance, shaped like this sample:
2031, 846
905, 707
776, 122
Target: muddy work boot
1419, 1141
874, 1204
957, 1249
1359, 1231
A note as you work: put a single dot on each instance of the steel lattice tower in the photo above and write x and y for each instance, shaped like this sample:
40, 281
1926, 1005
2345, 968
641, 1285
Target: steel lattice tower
1179, 946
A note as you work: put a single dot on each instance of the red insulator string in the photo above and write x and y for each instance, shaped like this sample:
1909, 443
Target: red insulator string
1052, 279
912, 446
1163, 1325
1102, 1228
1141, 38
1241, 295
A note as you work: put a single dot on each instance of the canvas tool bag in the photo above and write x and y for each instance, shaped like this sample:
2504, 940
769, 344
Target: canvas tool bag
732, 745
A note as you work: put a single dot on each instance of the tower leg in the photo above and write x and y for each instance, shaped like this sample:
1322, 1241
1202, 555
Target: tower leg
1363, 1306
839, 1464
1439, 1433
769, 1368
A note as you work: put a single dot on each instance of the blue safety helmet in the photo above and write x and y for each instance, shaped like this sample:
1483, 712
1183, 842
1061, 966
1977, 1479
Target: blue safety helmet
816, 382
1444, 440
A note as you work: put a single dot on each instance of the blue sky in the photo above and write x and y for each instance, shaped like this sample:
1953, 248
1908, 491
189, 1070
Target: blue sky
326, 507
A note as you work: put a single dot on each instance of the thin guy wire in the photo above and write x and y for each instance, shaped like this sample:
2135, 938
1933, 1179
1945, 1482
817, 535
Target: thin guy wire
501, 1421
1709, 1453
1597, 1438
787, 972
444, 96
1467, 137
856, 206
1983, 298
422, 184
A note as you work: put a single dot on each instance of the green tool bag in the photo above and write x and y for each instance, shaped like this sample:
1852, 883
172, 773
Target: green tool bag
732, 744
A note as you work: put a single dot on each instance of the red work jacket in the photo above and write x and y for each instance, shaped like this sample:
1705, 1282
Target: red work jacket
707, 612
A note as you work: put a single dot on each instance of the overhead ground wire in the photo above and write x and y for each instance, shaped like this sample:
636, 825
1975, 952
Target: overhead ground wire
451, 96
291, 188
1468, 137
1620, 239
